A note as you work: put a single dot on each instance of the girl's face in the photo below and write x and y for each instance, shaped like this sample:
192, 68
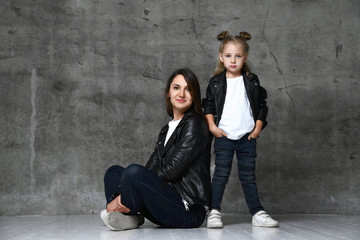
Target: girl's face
233, 57
180, 97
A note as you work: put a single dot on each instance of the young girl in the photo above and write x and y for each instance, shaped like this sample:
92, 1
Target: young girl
236, 111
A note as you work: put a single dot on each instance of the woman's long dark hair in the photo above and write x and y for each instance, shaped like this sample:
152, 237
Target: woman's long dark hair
194, 89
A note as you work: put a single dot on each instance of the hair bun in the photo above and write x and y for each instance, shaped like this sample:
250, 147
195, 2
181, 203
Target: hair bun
245, 35
222, 35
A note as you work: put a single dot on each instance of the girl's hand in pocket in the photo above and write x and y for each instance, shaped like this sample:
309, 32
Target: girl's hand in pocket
217, 132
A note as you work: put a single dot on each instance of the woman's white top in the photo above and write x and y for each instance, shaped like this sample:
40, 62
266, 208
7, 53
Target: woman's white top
237, 118
172, 125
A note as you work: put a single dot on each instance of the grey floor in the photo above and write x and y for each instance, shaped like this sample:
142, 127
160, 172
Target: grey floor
236, 227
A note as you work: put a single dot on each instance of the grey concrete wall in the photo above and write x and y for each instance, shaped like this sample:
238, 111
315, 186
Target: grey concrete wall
81, 89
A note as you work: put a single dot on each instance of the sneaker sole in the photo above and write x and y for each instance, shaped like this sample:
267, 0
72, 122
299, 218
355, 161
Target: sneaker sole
266, 226
215, 227
104, 218
117, 221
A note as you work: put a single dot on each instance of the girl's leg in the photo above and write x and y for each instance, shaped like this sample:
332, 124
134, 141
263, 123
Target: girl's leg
112, 181
224, 151
246, 154
143, 191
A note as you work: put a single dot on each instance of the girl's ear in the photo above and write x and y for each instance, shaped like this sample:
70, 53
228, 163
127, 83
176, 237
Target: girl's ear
221, 57
246, 57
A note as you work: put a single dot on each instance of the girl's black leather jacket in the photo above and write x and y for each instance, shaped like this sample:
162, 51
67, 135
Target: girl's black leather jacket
216, 91
184, 162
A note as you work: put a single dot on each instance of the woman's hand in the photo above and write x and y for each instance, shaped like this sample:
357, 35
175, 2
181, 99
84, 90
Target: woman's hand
116, 205
217, 132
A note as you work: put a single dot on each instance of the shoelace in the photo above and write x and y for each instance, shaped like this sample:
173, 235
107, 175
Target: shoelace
264, 215
215, 215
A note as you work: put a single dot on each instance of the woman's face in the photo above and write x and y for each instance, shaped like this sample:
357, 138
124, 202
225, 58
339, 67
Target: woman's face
180, 97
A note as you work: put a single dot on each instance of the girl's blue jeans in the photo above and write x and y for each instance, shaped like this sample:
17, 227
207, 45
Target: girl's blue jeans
245, 150
143, 191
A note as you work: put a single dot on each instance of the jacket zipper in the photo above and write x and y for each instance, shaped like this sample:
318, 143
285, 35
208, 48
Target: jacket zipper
186, 204
216, 107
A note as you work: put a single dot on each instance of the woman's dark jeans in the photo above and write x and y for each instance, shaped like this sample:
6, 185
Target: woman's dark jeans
143, 191
245, 149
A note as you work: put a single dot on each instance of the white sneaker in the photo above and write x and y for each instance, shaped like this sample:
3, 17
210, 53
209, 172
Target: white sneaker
214, 219
104, 218
117, 221
262, 219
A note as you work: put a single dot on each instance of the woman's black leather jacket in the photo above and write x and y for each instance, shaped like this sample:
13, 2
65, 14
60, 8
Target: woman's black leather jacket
184, 162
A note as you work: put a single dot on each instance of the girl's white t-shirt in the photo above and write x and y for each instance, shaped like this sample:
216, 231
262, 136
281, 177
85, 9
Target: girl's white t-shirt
172, 125
237, 118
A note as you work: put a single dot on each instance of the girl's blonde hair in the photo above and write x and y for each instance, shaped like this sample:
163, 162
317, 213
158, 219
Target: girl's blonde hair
225, 38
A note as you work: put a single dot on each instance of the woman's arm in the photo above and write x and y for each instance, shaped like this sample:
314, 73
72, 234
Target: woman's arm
153, 161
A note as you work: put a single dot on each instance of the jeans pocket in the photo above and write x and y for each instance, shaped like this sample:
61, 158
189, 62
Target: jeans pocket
218, 138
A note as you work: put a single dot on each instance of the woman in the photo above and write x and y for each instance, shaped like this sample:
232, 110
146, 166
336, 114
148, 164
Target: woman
173, 189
